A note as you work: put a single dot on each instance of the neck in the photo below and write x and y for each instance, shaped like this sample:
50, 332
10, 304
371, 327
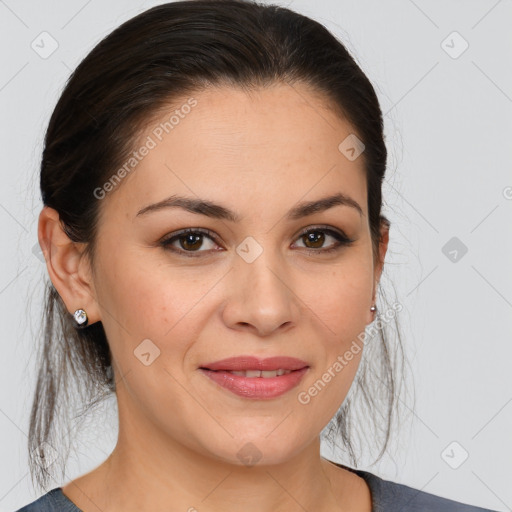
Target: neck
150, 470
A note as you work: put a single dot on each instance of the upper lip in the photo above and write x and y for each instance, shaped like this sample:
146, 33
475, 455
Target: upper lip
241, 363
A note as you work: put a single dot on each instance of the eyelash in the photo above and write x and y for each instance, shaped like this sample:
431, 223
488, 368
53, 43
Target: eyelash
342, 240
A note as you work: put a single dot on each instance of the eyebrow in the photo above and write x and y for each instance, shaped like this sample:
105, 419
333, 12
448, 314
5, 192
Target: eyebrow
217, 211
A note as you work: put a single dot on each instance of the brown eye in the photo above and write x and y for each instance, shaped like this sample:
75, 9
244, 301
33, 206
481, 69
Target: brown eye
315, 238
190, 241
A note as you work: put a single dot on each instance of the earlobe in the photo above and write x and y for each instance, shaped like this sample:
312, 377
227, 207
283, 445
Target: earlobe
64, 261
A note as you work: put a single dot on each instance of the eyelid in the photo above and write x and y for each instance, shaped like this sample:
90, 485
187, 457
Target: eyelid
326, 228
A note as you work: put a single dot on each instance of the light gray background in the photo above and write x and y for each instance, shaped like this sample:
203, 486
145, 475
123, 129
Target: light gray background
449, 134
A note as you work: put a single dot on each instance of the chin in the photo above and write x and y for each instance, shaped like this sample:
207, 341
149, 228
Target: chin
257, 450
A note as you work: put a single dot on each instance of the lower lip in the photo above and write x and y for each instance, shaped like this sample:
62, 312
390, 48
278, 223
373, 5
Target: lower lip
258, 388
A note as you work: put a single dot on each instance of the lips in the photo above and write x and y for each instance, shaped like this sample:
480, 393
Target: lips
251, 363
256, 379
256, 384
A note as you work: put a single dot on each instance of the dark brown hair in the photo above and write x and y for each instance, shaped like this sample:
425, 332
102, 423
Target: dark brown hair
164, 53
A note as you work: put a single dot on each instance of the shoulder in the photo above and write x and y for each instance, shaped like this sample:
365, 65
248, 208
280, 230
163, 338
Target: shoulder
52, 501
391, 496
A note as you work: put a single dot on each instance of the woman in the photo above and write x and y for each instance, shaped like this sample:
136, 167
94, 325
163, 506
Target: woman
212, 228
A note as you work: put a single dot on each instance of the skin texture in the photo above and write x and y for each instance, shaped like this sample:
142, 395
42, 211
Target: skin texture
257, 154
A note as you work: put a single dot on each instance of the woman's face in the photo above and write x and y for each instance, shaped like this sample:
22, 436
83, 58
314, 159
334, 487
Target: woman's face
251, 287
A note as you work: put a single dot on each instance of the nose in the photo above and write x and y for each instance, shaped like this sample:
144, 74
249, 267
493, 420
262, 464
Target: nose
261, 298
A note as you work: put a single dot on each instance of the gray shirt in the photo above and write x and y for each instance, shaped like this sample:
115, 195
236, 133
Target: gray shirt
387, 496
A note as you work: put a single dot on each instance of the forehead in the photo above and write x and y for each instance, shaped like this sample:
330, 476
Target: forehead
273, 143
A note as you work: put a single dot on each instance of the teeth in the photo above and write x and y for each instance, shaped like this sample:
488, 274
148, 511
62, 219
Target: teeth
257, 373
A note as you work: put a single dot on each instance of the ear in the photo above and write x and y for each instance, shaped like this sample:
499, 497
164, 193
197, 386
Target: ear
379, 265
67, 266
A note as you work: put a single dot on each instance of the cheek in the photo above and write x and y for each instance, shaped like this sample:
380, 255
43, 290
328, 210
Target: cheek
338, 302
151, 318
339, 297
149, 299
154, 313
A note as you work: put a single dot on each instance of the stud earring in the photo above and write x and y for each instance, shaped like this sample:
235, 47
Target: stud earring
373, 308
80, 318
